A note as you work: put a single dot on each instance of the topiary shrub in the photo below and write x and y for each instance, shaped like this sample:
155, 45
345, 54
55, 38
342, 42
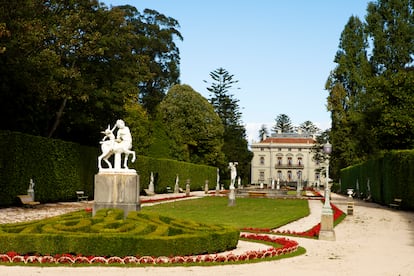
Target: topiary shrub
108, 234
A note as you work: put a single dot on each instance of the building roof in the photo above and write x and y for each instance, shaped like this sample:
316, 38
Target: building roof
288, 140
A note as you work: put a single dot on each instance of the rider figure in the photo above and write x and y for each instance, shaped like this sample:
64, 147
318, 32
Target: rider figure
123, 135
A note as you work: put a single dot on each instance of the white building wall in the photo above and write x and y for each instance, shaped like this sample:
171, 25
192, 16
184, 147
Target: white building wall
265, 163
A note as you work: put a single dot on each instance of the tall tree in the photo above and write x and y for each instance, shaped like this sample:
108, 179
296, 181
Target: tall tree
346, 85
193, 126
370, 99
157, 34
389, 99
283, 124
263, 132
309, 127
226, 106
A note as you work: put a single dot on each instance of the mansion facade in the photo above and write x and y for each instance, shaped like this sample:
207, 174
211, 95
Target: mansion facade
284, 158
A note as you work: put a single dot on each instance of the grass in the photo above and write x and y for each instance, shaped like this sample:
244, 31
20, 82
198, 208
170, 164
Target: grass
248, 212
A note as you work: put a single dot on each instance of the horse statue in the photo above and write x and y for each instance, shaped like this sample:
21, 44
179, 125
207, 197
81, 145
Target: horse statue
110, 145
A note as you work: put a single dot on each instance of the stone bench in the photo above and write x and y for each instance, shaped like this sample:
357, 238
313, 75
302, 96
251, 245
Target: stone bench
396, 203
27, 201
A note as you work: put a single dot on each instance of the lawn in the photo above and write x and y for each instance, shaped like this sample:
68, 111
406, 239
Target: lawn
248, 212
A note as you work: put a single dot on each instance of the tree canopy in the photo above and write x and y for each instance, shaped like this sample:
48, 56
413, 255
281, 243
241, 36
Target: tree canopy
370, 97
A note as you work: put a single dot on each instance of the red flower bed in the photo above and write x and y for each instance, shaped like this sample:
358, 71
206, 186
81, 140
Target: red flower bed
311, 233
163, 199
288, 246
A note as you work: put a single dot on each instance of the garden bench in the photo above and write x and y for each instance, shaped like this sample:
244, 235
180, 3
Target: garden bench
396, 203
81, 196
169, 190
253, 194
27, 201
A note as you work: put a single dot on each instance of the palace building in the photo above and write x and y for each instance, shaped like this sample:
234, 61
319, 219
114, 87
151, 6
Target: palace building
286, 158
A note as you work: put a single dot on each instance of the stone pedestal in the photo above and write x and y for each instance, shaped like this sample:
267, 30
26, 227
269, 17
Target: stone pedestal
327, 227
232, 197
117, 189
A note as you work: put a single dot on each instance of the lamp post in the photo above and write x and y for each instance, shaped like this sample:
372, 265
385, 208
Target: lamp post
327, 231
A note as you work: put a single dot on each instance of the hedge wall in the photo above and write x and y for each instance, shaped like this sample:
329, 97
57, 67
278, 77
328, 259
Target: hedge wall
389, 176
60, 168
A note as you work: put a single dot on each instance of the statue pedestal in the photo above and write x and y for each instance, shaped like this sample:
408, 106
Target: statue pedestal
327, 232
117, 189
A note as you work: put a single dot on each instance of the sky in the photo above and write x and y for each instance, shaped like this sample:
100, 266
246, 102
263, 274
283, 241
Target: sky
281, 52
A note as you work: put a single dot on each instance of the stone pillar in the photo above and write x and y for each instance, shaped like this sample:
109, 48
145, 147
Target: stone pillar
187, 188
232, 196
206, 187
118, 190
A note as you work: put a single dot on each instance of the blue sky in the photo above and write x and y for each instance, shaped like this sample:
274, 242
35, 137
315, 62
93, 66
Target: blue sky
281, 52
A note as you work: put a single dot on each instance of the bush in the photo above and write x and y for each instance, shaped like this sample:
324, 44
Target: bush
78, 233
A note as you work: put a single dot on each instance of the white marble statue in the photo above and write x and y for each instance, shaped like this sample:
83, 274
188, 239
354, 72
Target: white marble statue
110, 145
233, 173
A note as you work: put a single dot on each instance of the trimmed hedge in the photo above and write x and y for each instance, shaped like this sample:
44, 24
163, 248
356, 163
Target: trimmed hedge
106, 235
60, 168
390, 175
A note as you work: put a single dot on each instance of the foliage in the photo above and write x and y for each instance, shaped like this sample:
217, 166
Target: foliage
235, 146
70, 66
370, 91
193, 127
165, 172
263, 132
108, 234
387, 176
283, 124
60, 168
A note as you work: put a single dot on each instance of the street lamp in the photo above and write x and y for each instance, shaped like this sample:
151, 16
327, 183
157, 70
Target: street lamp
327, 232
327, 149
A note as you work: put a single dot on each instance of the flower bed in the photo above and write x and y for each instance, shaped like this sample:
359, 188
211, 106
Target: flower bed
287, 246
338, 215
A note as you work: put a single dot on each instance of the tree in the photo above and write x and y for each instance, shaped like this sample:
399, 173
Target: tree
192, 125
346, 85
157, 34
283, 124
309, 127
263, 132
71, 66
226, 106
368, 95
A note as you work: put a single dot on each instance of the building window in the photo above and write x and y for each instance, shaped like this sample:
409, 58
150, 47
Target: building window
299, 174
279, 149
289, 149
299, 149
279, 161
279, 175
261, 176
290, 161
261, 149
289, 175
262, 160
300, 161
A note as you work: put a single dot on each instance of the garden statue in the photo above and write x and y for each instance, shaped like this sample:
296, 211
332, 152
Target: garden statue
110, 145
233, 173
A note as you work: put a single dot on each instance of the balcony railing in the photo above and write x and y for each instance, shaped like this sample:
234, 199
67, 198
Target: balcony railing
289, 166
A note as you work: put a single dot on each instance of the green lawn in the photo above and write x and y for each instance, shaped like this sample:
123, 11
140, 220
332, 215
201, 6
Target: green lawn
248, 212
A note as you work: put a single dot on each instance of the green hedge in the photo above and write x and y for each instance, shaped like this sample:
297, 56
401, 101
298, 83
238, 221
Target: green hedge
105, 235
165, 172
60, 168
390, 175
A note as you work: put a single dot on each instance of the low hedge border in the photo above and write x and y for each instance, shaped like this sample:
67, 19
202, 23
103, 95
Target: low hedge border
108, 235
